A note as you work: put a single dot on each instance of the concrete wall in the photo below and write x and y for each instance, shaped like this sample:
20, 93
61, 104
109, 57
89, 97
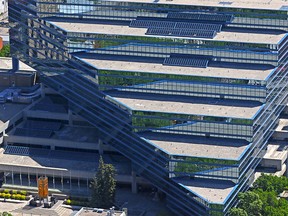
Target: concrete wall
17, 79
3, 6
55, 143
272, 163
11, 122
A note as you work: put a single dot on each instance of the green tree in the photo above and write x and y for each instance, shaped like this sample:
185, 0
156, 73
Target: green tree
5, 214
5, 51
237, 212
271, 183
251, 203
103, 186
263, 200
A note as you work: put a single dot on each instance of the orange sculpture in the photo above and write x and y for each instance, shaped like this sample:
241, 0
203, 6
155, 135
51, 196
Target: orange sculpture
1, 43
43, 187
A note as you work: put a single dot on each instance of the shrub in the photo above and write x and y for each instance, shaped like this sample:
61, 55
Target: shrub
7, 196
23, 192
14, 192
2, 195
13, 196
76, 202
6, 191
18, 196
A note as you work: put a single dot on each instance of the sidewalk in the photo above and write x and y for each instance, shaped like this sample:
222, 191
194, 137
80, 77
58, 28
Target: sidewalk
9, 207
4, 17
13, 200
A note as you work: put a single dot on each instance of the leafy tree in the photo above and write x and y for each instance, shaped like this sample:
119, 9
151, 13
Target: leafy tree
263, 200
5, 214
271, 211
103, 186
250, 202
5, 51
271, 183
267, 197
237, 212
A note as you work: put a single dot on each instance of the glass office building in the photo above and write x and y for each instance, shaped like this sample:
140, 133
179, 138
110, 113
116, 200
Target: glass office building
189, 91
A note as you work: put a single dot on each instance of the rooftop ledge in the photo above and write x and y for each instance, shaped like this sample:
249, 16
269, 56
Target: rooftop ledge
107, 29
253, 4
187, 106
197, 146
211, 190
148, 67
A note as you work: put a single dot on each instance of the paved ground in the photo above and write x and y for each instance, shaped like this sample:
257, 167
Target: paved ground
144, 203
9, 207
21, 209
56, 210
141, 204
4, 16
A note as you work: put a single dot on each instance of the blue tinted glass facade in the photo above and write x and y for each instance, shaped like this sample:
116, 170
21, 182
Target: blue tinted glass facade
149, 75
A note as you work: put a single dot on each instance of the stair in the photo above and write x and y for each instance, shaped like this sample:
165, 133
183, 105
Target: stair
62, 211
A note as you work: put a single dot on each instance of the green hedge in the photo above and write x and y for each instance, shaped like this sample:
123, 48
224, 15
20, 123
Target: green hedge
5, 51
14, 194
76, 202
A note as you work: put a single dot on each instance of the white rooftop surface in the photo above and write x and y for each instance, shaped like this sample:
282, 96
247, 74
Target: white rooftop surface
262, 4
45, 162
189, 107
90, 212
211, 190
207, 148
126, 30
177, 70
274, 153
6, 64
282, 125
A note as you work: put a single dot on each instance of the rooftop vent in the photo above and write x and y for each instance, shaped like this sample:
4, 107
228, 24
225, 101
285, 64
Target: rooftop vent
225, 3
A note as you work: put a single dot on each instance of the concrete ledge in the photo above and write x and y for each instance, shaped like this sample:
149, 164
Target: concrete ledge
13, 201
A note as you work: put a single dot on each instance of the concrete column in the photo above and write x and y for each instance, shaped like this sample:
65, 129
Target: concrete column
70, 117
70, 181
15, 64
78, 184
20, 178
156, 196
29, 182
4, 141
87, 185
134, 183
53, 180
42, 90
37, 178
100, 147
12, 177
62, 181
